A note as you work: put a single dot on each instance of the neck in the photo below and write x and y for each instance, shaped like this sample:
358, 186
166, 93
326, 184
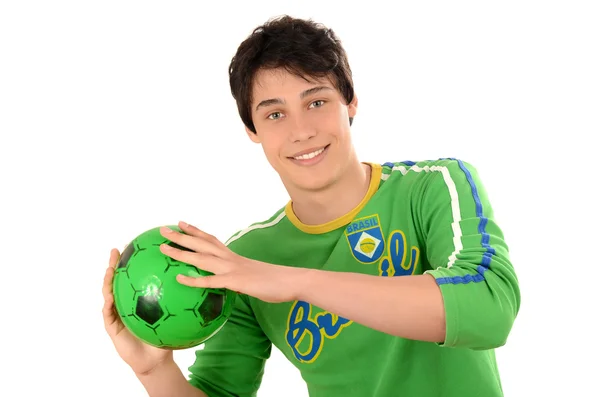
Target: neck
335, 200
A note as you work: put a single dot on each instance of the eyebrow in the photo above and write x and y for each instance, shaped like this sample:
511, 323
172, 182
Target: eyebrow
303, 94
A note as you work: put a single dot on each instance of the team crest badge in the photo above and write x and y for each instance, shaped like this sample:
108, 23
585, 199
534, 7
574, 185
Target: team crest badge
366, 239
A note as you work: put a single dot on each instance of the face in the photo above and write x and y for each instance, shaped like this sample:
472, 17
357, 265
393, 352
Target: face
303, 127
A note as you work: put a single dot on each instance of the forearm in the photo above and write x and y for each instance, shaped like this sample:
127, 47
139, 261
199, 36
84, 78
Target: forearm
409, 306
167, 380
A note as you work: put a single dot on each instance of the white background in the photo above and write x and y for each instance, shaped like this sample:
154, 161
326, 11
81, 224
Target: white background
116, 116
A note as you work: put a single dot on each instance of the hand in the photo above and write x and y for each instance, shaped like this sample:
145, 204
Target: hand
141, 357
267, 282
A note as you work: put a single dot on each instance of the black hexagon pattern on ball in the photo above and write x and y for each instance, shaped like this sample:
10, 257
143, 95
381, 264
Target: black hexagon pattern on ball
125, 256
148, 309
211, 307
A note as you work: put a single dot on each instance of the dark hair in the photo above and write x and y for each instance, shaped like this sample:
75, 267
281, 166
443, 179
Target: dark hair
302, 47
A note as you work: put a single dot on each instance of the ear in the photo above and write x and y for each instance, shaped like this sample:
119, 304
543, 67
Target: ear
352, 107
253, 137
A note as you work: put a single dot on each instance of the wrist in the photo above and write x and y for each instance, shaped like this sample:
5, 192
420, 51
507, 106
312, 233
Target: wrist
167, 380
165, 365
302, 283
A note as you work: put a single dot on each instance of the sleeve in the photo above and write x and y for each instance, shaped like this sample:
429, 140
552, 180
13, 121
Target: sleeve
232, 362
469, 258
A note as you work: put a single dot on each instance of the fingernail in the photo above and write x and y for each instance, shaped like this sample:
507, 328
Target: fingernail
166, 247
181, 277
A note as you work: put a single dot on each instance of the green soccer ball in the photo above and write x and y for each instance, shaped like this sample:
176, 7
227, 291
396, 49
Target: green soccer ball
155, 307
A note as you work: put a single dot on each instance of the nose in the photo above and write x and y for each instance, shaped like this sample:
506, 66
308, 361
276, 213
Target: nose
301, 130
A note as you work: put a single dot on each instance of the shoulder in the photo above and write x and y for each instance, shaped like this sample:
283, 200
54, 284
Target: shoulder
245, 239
424, 167
427, 171
431, 183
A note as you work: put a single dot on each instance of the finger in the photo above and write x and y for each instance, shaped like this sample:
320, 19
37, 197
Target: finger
107, 285
110, 317
114, 258
108, 312
110, 271
207, 262
216, 281
194, 243
194, 231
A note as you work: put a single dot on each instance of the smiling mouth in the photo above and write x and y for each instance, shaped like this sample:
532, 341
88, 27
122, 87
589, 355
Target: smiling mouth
311, 155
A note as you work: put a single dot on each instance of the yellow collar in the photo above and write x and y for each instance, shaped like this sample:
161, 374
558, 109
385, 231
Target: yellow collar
344, 219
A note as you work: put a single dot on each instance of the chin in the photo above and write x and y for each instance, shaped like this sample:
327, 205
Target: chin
315, 182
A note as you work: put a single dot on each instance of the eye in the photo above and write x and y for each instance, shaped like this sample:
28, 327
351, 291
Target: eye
274, 116
317, 103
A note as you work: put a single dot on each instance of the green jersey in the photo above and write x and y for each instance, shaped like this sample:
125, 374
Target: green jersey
427, 217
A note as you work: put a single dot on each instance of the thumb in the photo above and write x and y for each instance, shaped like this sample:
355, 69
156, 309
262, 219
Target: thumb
114, 258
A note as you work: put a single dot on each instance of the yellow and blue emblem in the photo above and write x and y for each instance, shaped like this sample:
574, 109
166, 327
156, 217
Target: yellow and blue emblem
365, 238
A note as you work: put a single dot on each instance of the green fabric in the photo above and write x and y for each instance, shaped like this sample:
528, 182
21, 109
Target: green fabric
426, 217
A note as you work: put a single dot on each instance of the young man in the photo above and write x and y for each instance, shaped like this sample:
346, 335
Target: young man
374, 280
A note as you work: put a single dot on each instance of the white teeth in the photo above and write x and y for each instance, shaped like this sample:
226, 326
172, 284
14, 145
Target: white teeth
309, 156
